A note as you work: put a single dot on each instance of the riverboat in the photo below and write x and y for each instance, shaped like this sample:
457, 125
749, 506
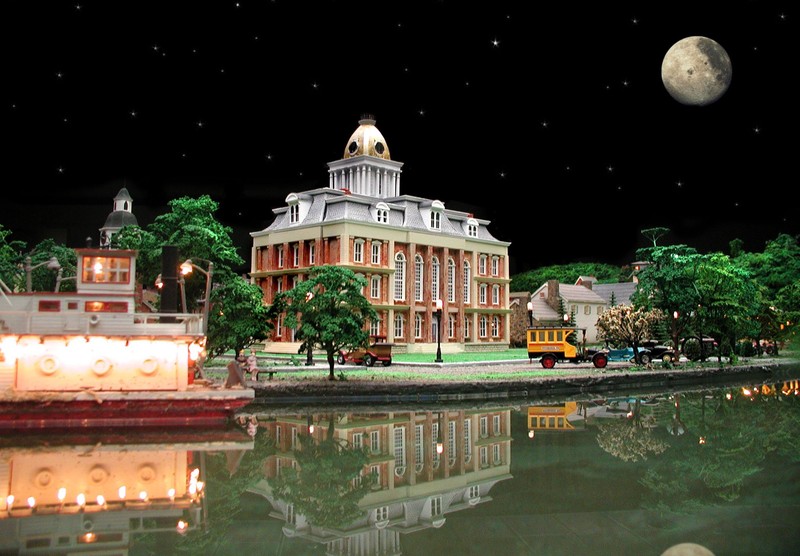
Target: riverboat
95, 358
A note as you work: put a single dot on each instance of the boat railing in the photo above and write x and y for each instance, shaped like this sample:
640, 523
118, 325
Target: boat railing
102, 324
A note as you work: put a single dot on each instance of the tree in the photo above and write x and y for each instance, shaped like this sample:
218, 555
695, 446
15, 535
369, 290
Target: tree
322, 488
627, 325
327, 310
567, 274
237, 318
11, 258
654, 234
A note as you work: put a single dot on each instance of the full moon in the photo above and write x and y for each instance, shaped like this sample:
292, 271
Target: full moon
696, 71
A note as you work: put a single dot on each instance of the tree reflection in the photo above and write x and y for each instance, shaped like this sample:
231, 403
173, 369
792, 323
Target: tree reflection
630, 439
327, 484
725, 439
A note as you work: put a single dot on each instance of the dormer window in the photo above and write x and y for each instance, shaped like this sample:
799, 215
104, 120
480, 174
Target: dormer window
472, 227
352, 148
294, 208
436, 215
382, 213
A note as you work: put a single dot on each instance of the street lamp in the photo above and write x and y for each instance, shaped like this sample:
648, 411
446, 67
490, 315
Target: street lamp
438, 313
52, 264
186, 268
530, 313
60, 278
181, 283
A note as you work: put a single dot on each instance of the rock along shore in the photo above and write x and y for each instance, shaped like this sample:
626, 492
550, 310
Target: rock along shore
568, 382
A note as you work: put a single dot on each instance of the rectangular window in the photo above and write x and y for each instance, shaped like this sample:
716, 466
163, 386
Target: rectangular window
482, 265
587, 310
375, 442
278, 435
358, 251
294, 438
294, 213
358, 440
376, 253
467, 437
482, 298
495, 424
106, 307
436, 506
49, 306
496, 453
484, 454
280, 257
312, 253
484, 424
295, 255
419, 456
106, 270
495, 295
495, 266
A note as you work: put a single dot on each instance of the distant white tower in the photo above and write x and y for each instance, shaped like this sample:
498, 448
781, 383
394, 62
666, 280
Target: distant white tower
118, 218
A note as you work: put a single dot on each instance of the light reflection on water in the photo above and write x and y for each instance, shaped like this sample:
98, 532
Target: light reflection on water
716, 467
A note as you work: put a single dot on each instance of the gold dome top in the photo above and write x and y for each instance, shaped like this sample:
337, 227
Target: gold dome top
367, 140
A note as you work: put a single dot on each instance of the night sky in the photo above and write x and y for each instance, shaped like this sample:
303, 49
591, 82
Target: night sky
550, 121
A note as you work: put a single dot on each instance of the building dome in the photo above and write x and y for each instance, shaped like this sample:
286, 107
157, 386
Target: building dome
367, 140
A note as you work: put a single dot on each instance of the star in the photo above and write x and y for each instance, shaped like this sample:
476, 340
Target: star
544, 123
315, 85
495, 43
502, 174
422, 112
610, 168
756, 130
156, 48
635, 20
78, 7
59, 75
679, 183
60, 169
269, 156
200, 124
133, 113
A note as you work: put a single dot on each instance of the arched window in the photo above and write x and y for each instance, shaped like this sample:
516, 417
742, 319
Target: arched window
417, 325
435, 279
467, 280
483, 325
399, 277
451, 281
418, 276
467, 328
495, 326
375, 286
495, 294
399, 326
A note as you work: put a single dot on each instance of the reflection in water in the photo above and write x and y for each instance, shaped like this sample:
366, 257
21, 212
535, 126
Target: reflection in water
638, 474
83, 492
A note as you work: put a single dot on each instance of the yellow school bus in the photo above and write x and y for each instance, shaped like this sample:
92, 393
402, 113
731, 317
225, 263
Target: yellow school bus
561, 343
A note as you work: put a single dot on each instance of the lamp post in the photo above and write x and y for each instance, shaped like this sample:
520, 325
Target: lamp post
52, 264
181, 284
186, 268
60, 278
438, 313
530, 313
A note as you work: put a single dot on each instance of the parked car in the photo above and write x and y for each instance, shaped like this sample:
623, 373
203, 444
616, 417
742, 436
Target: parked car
378, 350
658, 350
690, 347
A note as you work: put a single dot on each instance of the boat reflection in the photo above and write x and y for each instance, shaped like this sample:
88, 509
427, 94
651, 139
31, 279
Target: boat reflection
62, 493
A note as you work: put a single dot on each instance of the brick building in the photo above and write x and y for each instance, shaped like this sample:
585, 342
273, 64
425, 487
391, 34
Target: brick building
411, 250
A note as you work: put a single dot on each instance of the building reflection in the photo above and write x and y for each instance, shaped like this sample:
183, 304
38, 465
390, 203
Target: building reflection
425, 465
88, 493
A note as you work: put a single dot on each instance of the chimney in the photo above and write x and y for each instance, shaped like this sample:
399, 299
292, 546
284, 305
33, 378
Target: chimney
552, 294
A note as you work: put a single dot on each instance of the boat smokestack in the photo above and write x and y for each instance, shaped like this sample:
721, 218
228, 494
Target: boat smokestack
169, 278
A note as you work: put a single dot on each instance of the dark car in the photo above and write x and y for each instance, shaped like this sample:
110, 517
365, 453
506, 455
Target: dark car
658, 350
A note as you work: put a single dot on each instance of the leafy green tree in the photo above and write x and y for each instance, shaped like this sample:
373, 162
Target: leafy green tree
322, 488
43, 278
11, 258
238, 317
328, 310
626, 325
567, 274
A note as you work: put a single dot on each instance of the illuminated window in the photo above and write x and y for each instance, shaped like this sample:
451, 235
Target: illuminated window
106, 270
106, 307
49, 306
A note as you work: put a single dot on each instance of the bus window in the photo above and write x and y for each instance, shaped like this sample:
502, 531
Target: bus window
559, 335
550, 335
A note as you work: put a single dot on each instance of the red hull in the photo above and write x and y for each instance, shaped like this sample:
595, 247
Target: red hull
117, 413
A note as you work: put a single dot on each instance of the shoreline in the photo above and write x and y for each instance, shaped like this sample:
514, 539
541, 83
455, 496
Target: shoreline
568, 381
